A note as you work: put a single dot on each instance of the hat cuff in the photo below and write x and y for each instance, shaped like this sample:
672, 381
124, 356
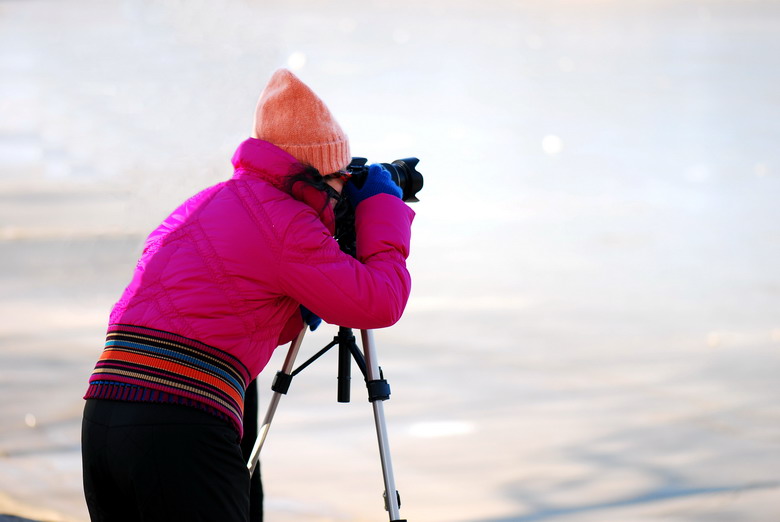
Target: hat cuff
325, 157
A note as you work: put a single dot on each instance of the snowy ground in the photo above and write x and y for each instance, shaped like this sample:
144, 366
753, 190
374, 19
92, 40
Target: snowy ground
594, 333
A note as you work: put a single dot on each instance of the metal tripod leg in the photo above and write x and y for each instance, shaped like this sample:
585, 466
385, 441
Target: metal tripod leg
374, 377
287, 369
378, 391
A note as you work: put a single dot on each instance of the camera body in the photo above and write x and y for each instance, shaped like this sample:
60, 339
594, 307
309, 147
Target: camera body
402, 172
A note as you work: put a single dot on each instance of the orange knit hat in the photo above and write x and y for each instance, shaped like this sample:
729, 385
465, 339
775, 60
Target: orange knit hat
293, 118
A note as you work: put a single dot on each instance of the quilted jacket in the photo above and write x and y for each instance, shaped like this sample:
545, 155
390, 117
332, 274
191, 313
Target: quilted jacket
230, 267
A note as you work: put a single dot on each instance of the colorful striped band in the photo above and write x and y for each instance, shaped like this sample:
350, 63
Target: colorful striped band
175, 366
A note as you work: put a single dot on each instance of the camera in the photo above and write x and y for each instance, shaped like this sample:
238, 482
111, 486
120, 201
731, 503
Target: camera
402, 172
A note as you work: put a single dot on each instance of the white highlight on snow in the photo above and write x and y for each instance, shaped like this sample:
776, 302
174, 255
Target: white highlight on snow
436, 429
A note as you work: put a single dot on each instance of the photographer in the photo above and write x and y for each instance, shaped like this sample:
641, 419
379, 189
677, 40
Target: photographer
230, 275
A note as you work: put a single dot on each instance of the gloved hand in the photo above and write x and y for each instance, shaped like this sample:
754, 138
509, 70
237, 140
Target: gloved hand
377, 182
310, 318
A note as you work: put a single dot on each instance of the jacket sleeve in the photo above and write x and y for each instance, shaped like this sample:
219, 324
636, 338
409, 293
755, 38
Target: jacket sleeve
366, 292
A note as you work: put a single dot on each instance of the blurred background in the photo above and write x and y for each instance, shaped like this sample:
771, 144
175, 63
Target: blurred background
594, 330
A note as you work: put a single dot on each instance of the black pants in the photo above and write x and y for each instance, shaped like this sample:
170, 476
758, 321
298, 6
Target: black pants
161, 462
251, 428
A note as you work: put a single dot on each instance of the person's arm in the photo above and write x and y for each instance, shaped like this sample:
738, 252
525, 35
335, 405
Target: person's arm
364, 293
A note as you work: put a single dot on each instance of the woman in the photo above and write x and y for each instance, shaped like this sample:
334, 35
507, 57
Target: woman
221, 283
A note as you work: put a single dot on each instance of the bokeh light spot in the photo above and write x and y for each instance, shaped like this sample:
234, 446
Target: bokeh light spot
296, 61
552, 144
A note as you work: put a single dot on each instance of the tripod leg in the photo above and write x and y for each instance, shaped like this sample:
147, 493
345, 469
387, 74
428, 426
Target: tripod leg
346, 339
287, 368
373, 375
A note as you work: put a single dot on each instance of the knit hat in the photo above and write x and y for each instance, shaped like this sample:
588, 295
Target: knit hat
293, 118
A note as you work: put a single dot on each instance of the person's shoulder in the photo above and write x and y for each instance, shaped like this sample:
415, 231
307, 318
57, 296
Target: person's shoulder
264, 200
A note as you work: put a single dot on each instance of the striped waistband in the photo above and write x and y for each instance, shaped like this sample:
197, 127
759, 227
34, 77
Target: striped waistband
172, 365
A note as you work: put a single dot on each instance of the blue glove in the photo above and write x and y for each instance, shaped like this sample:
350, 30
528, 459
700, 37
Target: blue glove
377, 182
310, 318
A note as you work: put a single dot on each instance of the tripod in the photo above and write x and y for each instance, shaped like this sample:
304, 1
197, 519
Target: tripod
378, 391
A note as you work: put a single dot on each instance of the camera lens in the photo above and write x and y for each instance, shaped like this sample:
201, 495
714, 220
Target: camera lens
402, 171
404, 174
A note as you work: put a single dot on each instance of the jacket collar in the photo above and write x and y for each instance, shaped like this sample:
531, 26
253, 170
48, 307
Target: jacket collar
261, 159
264, 160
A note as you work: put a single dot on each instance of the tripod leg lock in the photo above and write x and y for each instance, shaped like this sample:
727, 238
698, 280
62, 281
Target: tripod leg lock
282, 383
378, 390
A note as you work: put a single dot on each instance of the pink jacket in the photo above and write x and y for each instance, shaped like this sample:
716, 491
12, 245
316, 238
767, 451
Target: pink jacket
232, 264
